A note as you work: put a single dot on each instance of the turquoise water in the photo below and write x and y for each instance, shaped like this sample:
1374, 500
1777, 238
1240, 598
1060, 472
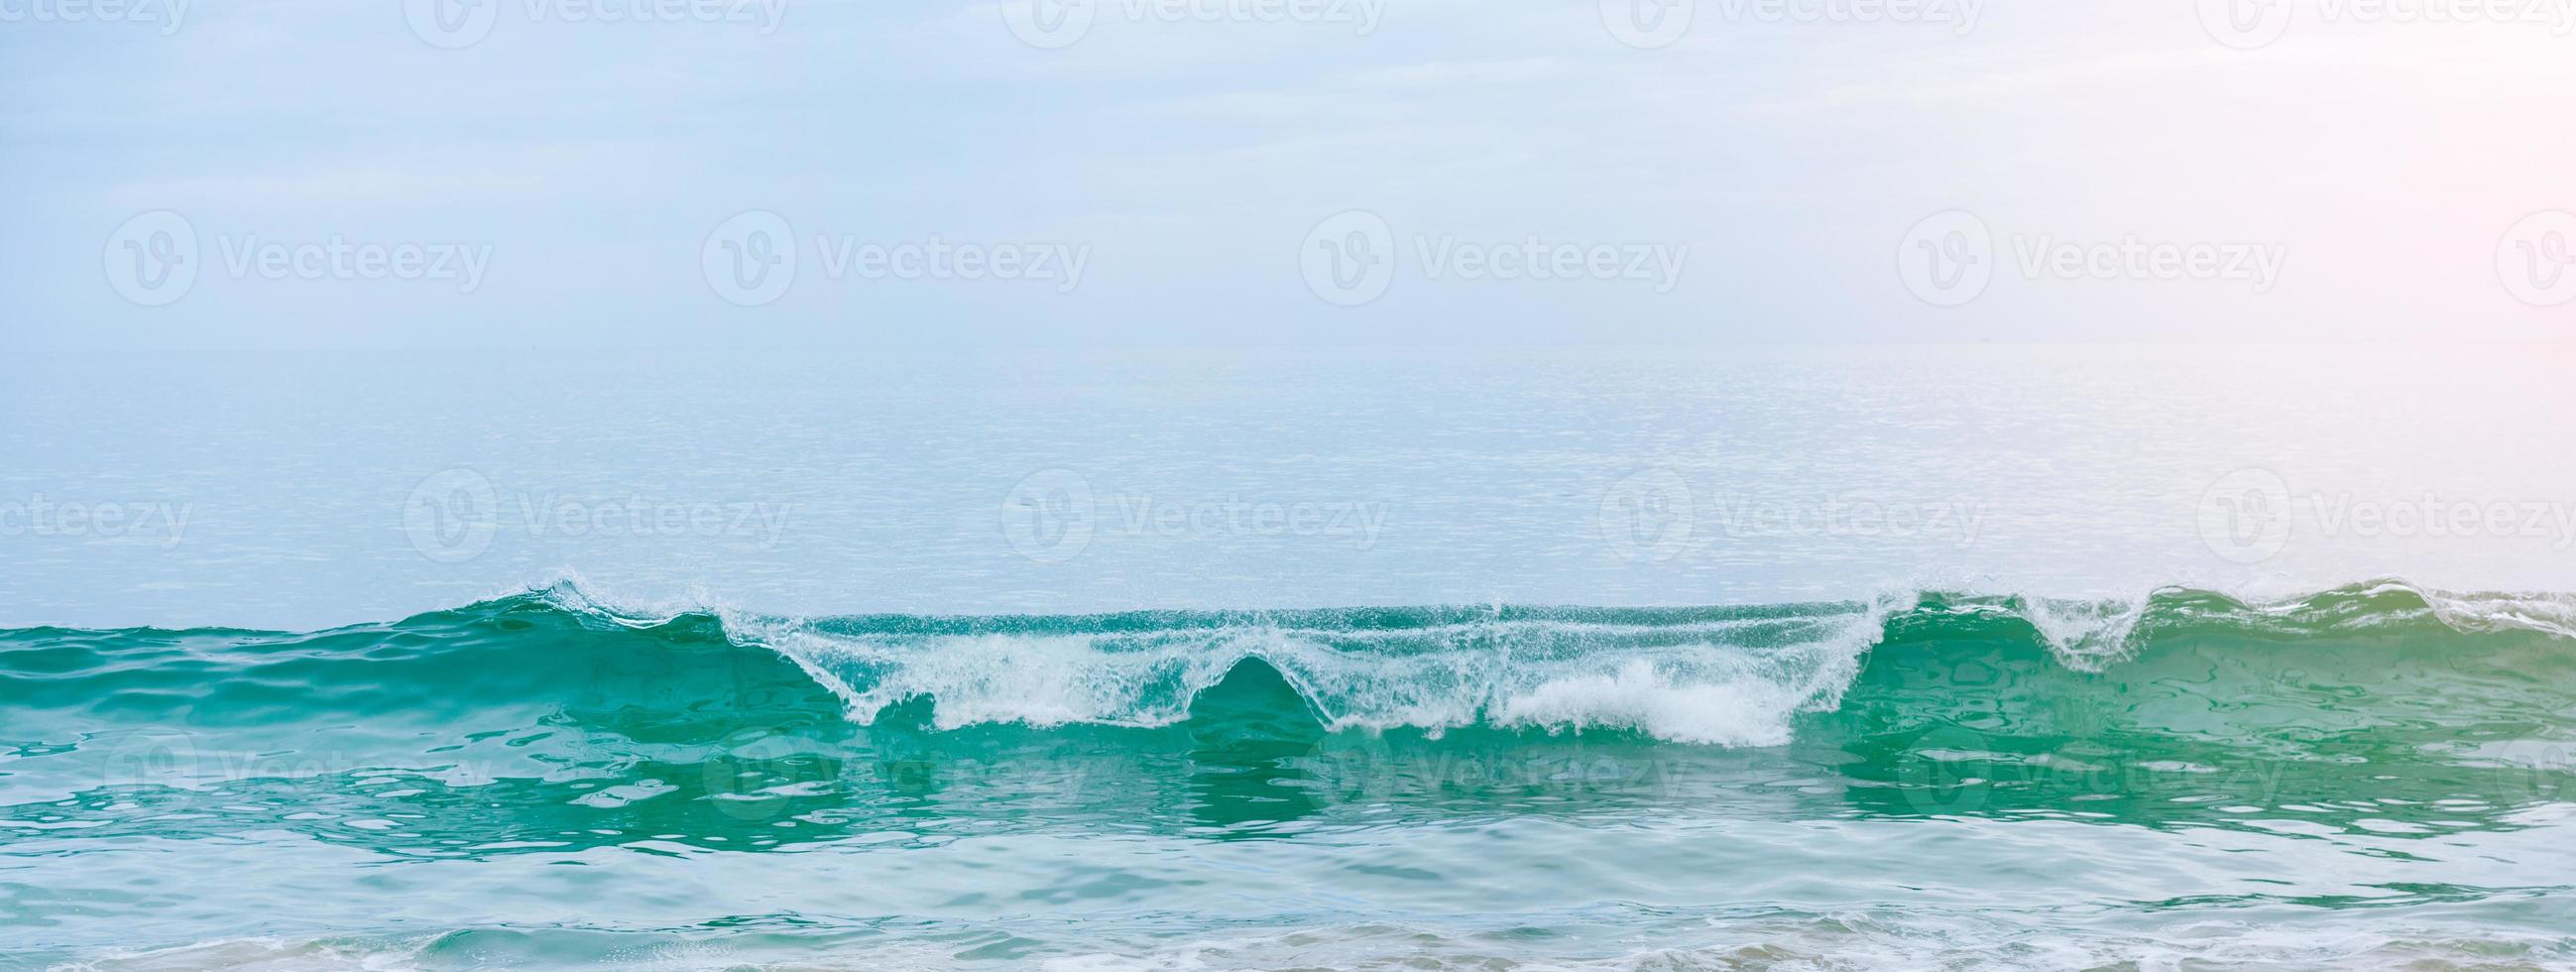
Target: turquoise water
1416, 658
2372, 775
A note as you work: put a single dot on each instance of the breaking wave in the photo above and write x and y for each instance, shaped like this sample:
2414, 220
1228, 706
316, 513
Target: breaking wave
1728, 676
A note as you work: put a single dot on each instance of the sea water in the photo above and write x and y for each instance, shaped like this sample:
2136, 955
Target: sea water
1417, 658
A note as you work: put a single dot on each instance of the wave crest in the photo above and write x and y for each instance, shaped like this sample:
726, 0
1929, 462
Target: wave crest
1729, 676
1734, 676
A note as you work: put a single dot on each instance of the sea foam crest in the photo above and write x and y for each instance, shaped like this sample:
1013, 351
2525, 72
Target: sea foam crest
1732, 677
1734, 681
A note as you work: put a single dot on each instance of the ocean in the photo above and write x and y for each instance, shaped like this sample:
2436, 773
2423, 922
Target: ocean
1770, 658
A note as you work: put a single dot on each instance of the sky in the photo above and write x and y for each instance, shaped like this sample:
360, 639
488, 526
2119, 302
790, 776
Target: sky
499, 174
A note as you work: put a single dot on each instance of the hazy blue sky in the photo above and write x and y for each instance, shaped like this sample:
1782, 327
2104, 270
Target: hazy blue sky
543, 173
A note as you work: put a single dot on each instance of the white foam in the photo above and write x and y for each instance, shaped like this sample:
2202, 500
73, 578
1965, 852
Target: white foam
1732, 682
2086, 635
2553, 614
1741, 712
1737, 680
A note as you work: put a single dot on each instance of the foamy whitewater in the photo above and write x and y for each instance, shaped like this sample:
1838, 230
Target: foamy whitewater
1733, 677
1800, 659
2365, 776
